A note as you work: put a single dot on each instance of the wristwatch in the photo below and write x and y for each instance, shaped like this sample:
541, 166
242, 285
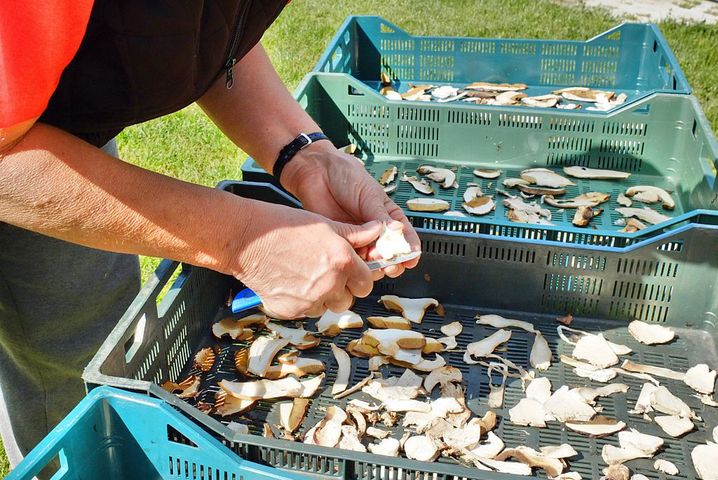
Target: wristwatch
303, 140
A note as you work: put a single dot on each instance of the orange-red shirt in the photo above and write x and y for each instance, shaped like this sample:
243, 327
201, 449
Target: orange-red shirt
38, 39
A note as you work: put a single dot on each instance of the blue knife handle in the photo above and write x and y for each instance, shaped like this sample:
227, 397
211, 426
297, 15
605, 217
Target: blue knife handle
245, 300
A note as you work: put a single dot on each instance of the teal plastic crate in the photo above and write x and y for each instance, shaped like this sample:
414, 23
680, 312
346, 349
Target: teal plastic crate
631, 58
114, 434
663, 140
670, 279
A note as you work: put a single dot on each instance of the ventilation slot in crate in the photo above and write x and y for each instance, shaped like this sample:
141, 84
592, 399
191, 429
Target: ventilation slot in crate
413, 148
632, 129
417, 132
554, 159
650, 292
671, 247
437, 68
169, 327
518, 48
505, 254
557, 303
557, 71
638, 311
173, 435
572, 125
444, 225
578, 284
520, 121
579, 262
621, 147
371, 471
149, 361
178, 353
645, 268
396, 45
477, 46
418, 114
468, 117
398, 65
574, 144
441, 247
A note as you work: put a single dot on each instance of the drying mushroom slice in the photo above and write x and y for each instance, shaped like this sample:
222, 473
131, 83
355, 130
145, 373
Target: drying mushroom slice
299, 368
597, 427
618, 472
633, 444
262, 352
331, 324
650, 194
595, 350
594, 173
514, 182
591, 394
344, 368
329, 429
583, 215
646, 214
392, 243
421, 186
187, 388
664, 401
541, 101
489, 448
543, 177
586, 370
377, 361
263, 389
432, 346
445, 93
358, 420
630, 225
388, 176
496, 87
350, 439
507, 98
552, 466
442, 376
539, 389
204, 360
536, 190
267, 431
496, 391
389, 189
358, 386
454, 213
377, 433
487, 174
452, 329
238, 329
291, 414
650, 333
413, 309
623, 200
528, 412
674, 425
645, 398
479, 206
298, 337
579, 94
701, 379
400, 323
497, 321
664, 466
360, 349
630, 366
486, 346
423, 365
540, 358
568, 405
225, 404
445, 177
427, 205
449, 343
417, 93
388, 447
422, 448
589, 199
705, 461
390, 340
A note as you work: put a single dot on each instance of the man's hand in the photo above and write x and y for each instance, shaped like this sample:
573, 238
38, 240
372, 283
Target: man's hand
300, 263
334, 184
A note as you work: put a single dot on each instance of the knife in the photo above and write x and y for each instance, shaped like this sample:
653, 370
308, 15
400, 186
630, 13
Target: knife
246, 298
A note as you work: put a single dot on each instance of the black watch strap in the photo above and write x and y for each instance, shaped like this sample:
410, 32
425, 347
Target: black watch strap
288, 152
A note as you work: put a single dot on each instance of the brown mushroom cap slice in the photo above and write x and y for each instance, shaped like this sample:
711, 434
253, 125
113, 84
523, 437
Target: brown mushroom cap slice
443, 176
388, 339
432, 346
360, 349
187, 388
225, 404
331, 324
650, 333
291, 414
427, 205
262, 352
388, 176
597, 427
344, 368
204, 360
594, 173
300, 368
298, 337
238, 329
487, 174
413, 309
479, 205
389, 322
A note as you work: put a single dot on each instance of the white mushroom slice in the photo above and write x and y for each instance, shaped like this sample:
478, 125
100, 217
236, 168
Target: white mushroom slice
513, 182
471, 193
543, 177
650, 333
454, 213
568, 405
595, 350
329, 430
238, 329
442, 376
427, 365
541, 101
240, 428
204, 360
487, 174
479, 206
444, 92
645, 398
427, 205
300, 368
382, 392
598, 427
707, 400
389, 322
651, 370
496, 391
552, 466
262, 352
537, 190
443, 176
331, 324
540, 358
674, 425
701, 378
589, 95
634, 444
452, 329
603, 375
489, 448
646, 214
528, 412
623, 200
263, 389
466, 437
591, 394
377, 361
589, 199
594, 173
664, 401
359, 420
421, 186
506, 98
344, 368
705, 461
422, 448
486, 346
539, 389
350, 439
513, 468
187, 388
391, 188
377, 433
390, 94
665, 466
392, 243
413, 309
448, 342
390, 340
298, 337
497, 321
388, 447
650, 194
291, 414
568, 106
518, 205
618, 472
388, 176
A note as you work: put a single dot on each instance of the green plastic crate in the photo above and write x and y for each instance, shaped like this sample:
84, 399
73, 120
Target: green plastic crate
662, 140
670, 279
631, 58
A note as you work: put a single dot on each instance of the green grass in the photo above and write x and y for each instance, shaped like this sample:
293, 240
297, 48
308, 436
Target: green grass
185, 145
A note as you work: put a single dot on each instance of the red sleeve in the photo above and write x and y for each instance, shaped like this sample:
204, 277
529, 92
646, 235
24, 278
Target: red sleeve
38, 38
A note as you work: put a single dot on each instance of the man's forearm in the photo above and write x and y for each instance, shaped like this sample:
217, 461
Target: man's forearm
55, 184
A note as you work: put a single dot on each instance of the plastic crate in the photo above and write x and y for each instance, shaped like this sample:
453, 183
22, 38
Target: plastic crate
662, 140
631, 58
113, 434
669, 279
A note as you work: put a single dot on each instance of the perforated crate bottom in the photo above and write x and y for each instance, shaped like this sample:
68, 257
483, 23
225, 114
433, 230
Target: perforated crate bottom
691, 347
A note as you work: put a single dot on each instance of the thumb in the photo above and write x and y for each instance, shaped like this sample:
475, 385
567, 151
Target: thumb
358, 235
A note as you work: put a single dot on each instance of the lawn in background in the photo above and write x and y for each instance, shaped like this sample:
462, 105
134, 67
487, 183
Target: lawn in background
186, 146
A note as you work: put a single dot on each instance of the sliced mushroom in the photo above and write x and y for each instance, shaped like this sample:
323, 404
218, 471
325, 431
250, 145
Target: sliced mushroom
445, 177
674, 425
552, 466
267, 431
356, 387
664, 401
632, 225
487, 174
581, 94
705, 461
583, 215
664, 466
617, 472
497, 321
413, 309
623, 200
444, 93
496, 391
646, 214
331, 324
591, 394
540, 357
630, 366
633, 444
225, 404
701, 379
344, 368
388, 176
377, 361
298, 337
187, 388
389, 322
594, 173
449, 343
454, 213
204, 360
596, 350
496, 87
421, 186
597, 427
263, 389
392, 243
329, 430
360, 349
486, 346
514, 182
452, 329
389, 341
650, 333
589, 199
528, 412
238, 329
568, 405
350, 439
262, 352
490, 447
388, 447
539, 389
300, 368
650, 194
291, 414
479, 206
536, 190
377, 433
417, 93
391, 188
442, 376
422, 448
427, 205
541, 101
543, 177
432, 346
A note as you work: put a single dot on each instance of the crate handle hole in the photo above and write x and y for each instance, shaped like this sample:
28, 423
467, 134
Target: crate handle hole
693, 130
655, 45
133, 344
353, 91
